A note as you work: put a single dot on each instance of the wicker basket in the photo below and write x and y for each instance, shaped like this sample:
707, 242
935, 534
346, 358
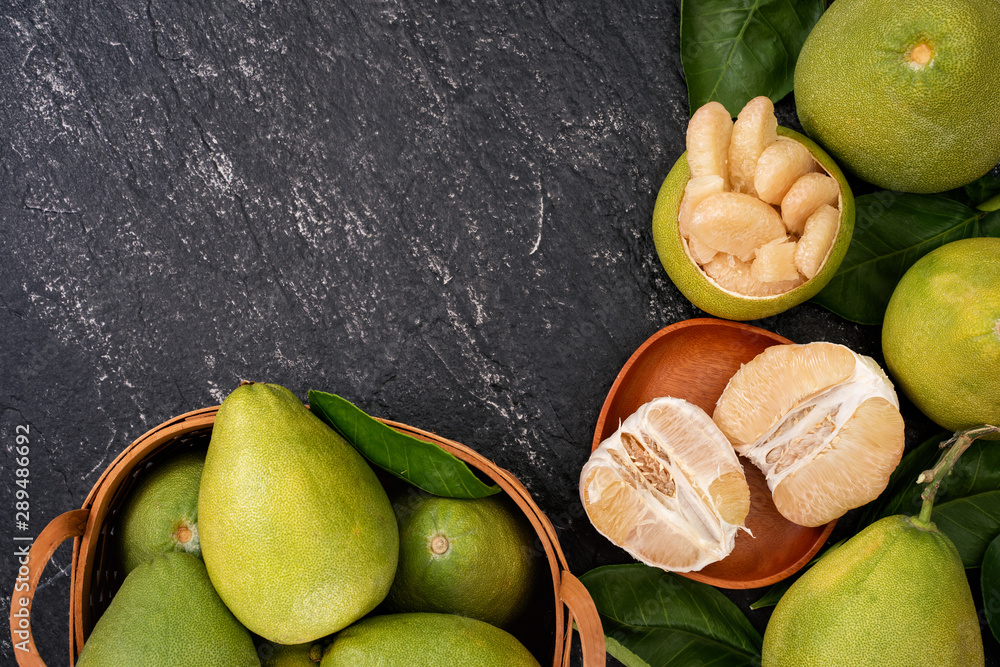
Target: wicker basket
95, 577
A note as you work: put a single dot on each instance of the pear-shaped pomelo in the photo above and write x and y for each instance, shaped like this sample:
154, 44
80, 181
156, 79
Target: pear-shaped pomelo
166, 613
708, 293
894, 595
425, 640
904, 94
297, 533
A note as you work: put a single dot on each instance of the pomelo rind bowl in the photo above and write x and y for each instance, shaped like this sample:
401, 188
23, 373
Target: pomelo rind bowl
701, 290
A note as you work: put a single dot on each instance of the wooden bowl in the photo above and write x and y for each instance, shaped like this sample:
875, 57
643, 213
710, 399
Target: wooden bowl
694, 360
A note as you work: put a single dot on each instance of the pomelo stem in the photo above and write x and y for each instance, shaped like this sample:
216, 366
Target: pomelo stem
954, 448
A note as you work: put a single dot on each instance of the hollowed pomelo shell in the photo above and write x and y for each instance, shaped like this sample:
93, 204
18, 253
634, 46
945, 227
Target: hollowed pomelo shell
706, 294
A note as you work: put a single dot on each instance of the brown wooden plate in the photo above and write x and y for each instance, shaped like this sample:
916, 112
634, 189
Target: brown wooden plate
694, 360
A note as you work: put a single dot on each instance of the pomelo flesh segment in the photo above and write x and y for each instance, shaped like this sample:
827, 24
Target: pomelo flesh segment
754, 130
780, 165
735, 223
817, 239
708, 134
774, 382
805, 196
775, 262
734, 275
667, 487
695, 192
821, 422
847, 471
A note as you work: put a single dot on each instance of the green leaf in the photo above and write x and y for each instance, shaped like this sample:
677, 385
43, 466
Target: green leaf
892, 231
774, 593
734, 50
422, 464
989, 224
971, 522
652, 617
989, 581
977, 192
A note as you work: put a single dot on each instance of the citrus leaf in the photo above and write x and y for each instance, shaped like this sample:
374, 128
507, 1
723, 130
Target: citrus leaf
989, 581
989, 224
892, 231
978, 192
423, 464
734, 50
652, 617
971, 522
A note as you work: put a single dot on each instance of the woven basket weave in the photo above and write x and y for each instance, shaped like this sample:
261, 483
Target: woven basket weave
96, 577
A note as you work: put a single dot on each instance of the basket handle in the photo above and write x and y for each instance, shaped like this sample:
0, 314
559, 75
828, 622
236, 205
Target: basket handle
588, 623
66, 525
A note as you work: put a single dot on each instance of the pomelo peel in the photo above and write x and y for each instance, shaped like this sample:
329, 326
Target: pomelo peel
721, 296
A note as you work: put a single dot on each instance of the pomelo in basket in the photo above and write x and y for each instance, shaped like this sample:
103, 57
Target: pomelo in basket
296, 531
473, 557
161, 513
293, 655
166, 613
753, 218
425, 640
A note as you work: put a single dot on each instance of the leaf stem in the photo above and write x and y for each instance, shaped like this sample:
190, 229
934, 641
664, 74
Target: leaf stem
954, 447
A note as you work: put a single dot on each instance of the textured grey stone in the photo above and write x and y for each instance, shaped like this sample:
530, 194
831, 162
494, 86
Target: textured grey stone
439, 210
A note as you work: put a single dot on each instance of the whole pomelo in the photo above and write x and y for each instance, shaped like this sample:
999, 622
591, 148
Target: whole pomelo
293, 655
905, 94
472, 557
425, 640
297, 533
894, 595
166, 613
941, 333
161, 512
705, 293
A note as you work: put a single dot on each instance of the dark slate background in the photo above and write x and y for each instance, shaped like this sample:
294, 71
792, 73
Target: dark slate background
440, 211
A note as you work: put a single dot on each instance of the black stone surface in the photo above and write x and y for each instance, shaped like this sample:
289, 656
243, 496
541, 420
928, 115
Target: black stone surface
439, 210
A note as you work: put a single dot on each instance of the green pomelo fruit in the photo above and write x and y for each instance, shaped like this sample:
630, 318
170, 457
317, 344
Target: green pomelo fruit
705, 293
474, 557
941, 333
905, 94
161, 513
166, 613
297, 533
425, 640
894, 595
295, 655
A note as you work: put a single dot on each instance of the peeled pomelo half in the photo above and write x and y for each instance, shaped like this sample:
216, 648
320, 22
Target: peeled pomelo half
700, 254
667, 487
820, 421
